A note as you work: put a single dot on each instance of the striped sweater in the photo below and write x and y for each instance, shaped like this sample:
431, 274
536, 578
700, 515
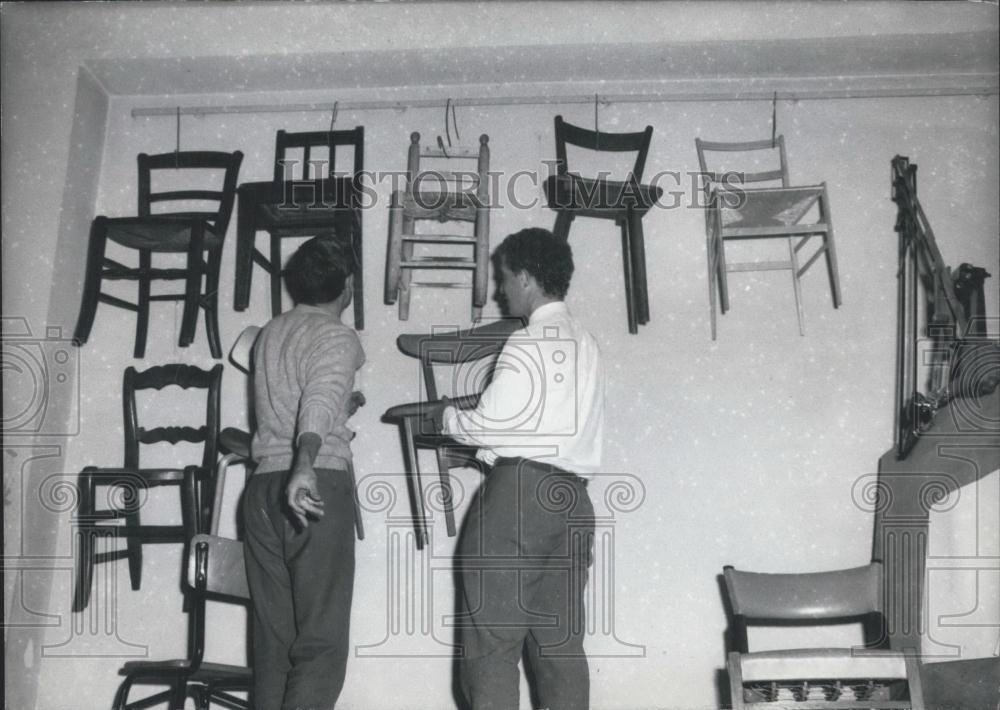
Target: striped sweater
304, 366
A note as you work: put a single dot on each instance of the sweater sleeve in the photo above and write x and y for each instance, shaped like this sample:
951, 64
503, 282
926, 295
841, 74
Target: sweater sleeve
327, 375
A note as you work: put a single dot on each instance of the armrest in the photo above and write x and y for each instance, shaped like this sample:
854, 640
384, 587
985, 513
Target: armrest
427, 409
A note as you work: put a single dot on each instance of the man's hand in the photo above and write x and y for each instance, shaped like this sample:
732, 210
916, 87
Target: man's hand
302, 490
355, 403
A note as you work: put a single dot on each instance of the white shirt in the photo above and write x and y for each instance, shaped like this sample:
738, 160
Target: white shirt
546, 399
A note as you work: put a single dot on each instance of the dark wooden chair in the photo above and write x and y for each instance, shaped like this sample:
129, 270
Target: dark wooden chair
453, 349
132, 481
434, 192
872, 676
307, 202
736, 212
624, 202
198, 233
214, 570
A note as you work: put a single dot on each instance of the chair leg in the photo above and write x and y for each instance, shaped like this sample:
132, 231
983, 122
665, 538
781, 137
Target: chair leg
359, 523
481, 275
192, 286
142, 304
713, 274
633, 324
723, 280
564, 218
178, 693
406, 274
275, 275
735, 671
121, 696
91, 280
359, 269
831, 249
411, 464
796, 284
212, 302
446, 494
133, 544
392, 255
85, 542
639, 267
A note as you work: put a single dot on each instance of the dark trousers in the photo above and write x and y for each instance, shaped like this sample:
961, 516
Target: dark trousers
301, 585
523, 557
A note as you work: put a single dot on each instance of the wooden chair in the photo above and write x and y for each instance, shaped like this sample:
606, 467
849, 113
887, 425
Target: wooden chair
132, 481
454, 349
736, 212
442, 195
624, 202
214, 570
872, 676
310, 202
198, 234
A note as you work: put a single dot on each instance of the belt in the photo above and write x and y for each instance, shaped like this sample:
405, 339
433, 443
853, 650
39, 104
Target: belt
520, 462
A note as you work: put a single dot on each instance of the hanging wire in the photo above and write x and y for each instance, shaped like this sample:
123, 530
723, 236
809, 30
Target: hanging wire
333, 114
449, 106
597, 129
177, 140
774, 119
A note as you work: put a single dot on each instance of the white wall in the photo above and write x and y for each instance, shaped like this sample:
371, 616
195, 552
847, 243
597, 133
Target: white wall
746, 448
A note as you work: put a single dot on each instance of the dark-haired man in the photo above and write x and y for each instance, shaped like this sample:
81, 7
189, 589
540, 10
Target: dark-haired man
527, 541
298, 505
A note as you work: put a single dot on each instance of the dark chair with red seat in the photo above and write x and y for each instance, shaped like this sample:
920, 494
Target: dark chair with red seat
132, 481
198, 233
624, 202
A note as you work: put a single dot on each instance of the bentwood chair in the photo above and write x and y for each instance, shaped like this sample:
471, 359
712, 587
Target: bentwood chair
215, 571
470, 354
870, 676
196, 230
127, 487
309, 198
435, 193
624, 202
735, 212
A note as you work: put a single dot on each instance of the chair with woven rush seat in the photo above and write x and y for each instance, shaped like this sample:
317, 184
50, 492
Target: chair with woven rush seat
307, 200
214, 570
453, 349
198, 234
736, 212
872, 676
441, 195
132, 481
624, 202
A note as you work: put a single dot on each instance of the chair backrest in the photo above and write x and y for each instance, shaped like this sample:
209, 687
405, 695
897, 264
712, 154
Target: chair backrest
192, 161
426, 170
315, 160
454, 348
723, 173
814, 597
568, 134
185, 377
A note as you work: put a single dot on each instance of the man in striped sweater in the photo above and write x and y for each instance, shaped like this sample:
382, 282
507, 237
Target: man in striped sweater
298, 506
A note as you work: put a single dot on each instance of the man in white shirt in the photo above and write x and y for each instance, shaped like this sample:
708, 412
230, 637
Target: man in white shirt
528, 538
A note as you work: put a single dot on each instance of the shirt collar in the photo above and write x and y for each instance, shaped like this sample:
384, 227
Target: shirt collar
547, 311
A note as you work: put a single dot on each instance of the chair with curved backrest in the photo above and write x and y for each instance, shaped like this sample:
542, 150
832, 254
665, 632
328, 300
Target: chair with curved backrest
435, 193
625, 202
736, 212
197, 233
132, 481
862, 677
214, 570
452, 349
308, 201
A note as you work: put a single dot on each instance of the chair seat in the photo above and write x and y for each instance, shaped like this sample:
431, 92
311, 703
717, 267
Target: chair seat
160, 233
775, 207
151, 476
822, 663
215, 671
277, 219
599, 198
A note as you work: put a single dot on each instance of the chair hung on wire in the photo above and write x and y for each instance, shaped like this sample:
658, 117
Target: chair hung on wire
872, 676
214, 570
196, 233
625, 202
309, 201
434, 193
737, 212
473, 352
131, 482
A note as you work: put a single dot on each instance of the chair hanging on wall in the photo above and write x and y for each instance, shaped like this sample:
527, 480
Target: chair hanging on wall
432, 193
736, 212
626, 203
307, 201
197, 234
132, 482
872, 676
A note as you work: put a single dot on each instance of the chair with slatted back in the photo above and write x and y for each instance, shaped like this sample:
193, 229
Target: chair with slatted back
214, 570
432, 193
198, 234
735, 212
871, 676
475, 350
127, 487
309, 198
624, 202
